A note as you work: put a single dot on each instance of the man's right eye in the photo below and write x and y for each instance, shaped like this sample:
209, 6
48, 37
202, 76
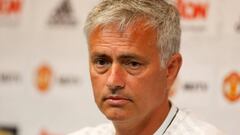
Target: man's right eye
101, 63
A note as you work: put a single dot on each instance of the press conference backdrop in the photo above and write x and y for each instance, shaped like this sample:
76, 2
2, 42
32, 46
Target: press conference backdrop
44, 81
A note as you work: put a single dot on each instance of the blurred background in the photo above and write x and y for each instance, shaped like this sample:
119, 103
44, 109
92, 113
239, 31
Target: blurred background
44, 81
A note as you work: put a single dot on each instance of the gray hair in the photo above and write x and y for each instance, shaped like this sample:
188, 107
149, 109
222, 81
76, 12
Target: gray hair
162, 16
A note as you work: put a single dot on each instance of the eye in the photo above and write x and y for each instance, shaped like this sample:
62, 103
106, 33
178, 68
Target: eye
133, 65
101, 64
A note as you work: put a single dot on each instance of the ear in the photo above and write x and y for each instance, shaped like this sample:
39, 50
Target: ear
173, 66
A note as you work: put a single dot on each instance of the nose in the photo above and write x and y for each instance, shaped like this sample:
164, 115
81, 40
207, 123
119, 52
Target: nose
116, 78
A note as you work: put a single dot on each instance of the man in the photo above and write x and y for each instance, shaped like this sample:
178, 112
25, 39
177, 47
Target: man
134, 60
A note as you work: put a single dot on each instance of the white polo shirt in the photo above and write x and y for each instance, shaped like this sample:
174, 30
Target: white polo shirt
177, 122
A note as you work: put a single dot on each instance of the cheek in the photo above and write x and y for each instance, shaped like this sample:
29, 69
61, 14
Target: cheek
148, 87
98, 82
95, 77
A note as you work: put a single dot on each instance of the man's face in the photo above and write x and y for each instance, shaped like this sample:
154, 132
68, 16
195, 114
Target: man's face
127, 79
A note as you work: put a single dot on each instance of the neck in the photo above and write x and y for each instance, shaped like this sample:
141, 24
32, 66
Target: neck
147, 125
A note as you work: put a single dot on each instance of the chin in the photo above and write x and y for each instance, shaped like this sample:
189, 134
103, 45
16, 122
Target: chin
116, 114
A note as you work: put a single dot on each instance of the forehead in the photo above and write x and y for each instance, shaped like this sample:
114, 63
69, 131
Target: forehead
134, 33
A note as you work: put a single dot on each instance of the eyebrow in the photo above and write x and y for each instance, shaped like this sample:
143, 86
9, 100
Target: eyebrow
121, 57
97, 55
130, 56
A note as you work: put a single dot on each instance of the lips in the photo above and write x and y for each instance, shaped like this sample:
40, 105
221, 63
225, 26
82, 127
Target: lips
117, 100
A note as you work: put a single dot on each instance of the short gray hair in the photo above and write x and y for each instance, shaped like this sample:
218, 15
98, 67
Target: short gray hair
161, 15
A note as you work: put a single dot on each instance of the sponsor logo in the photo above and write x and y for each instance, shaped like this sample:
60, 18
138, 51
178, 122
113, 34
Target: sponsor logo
67, 79
9, 7
190, 10
45, 132
44, 78
195, 86
231, 87
10, 11
4, 130
63, 15
194, 15
9, 77
188, 87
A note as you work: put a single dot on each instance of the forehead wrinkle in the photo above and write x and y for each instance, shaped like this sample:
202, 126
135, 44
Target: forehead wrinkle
114, 39
112, 35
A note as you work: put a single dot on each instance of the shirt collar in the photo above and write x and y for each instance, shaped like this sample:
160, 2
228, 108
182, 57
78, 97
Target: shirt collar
168, 120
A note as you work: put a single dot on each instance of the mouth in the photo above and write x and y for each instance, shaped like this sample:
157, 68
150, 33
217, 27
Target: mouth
117, 100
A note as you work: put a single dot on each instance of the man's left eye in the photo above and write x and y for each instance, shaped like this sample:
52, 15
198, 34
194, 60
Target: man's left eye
133, 65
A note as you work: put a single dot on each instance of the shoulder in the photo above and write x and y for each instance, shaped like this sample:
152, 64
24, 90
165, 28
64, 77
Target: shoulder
103, 129
187, 123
